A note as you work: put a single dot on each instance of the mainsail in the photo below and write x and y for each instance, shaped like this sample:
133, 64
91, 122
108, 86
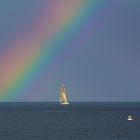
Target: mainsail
63, 97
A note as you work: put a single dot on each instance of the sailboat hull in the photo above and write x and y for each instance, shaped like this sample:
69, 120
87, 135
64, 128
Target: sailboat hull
64, 103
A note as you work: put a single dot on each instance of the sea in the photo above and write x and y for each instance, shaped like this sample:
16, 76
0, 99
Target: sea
76, 121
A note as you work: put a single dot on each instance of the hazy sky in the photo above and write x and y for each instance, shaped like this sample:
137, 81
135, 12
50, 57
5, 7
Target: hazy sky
105, 67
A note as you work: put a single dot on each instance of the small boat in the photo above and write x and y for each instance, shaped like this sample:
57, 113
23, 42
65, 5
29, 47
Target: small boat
63, 96
130, 118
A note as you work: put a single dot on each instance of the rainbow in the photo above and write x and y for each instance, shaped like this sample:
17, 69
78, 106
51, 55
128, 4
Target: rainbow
61, 25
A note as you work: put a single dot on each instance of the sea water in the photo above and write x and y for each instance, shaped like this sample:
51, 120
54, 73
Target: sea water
76, 121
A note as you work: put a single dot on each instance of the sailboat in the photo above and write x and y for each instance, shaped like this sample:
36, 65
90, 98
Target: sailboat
63, 97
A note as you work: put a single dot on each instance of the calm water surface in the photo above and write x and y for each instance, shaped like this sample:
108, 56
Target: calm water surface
77, 121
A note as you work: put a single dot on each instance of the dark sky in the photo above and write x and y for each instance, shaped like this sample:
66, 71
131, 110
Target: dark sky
105, 69
110, 66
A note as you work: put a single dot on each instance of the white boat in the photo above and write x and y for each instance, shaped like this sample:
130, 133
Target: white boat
130, 118
63, 96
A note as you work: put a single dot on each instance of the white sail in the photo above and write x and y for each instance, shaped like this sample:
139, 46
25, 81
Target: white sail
63, 97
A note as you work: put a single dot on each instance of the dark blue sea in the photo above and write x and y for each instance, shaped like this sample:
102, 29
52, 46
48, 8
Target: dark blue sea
76, 121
